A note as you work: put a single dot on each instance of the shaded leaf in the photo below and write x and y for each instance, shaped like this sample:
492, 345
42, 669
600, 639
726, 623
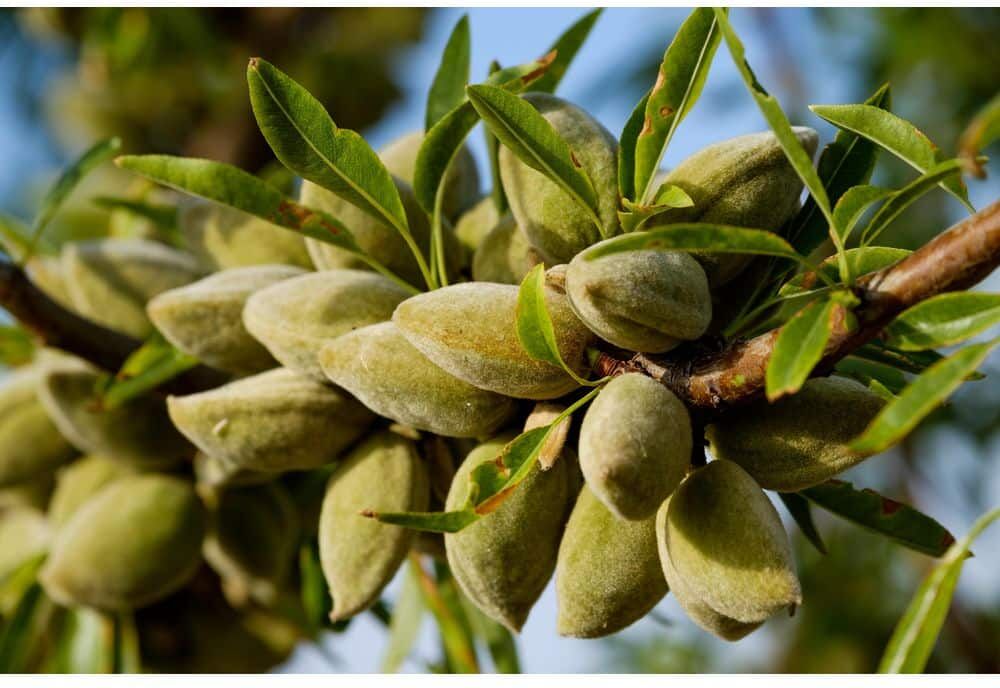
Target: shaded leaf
92, 158
19, 632
894, 134
17, 346
866, 372
447, 91
126, 645
407, 617
921, 397
895, 520
155, 362
916, 633
798, 507
901, 199
845, 162
493, 154
523, 130
15, 238
241, 190
798, 348
565, 48
316, 602
499, 641
943, 320
460, 650
626, 149
679, 82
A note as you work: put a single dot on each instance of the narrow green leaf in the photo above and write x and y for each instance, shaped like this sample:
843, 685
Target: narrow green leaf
92, 158
901, 199
626, 149
776, 119
981, 132
921, 397
916, 633
695, 236
915, 362
442, 143
895, 135
493, 154
163, 216
798, 507
565, 48
316, 602
448, 88
894, 520
306, 140
522, 129
407, 617
845, 162
456, 637
861, 261
430, 521
534, 325
866, 371
499, 641
157, 361
84, 643
944, 320
15, 238
19, 633
853, 204
679, 83
241, 190
668, 197
798, 348
127, 659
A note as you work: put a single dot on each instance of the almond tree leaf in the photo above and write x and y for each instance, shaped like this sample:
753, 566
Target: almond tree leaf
914, 362
668, 197
241, 190
155, 362
982, 131
93, 157
798, 348
894, 520
626, 149
448, 88
895, 135
430, 521
407, 618
699, 236
902, 198
163, 216
18, 634
776, 119
566, 47
798, 507
944, 320
523, 130
865, 371
535, 331
456, 635
679, 83
853, 204
845, 162
493, 154
15, 239
861, 261
916, 633
305, 140
126, 645
921, 397
499, 641
84, 644
442, 143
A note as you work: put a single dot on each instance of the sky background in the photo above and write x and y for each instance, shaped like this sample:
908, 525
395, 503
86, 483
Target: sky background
725, 110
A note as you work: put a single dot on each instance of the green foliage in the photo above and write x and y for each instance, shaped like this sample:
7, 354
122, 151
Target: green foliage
887, 517
943, 320
151, 365
565, 49
799, 347
916, 634
447, 91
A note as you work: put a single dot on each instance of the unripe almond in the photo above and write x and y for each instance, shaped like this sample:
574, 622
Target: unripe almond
475, 223
79, 482
504, 256
608, 574
635, 445
461, 183
361, 555
800, 440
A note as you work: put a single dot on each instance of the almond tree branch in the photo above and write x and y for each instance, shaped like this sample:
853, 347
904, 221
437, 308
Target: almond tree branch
62, 329
955, 260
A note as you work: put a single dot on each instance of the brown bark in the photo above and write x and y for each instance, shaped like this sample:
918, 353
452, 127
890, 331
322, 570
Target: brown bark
957, 259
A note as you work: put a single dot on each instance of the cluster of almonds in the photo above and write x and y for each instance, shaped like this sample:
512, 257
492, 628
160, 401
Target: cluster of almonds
340, 365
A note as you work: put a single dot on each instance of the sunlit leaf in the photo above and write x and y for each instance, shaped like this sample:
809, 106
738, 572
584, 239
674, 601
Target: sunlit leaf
866, 371
668, 197
916, 633
798, 348
903, 198
98, 154
921, 397
861, 261
626, 149
899, 522
493, 154
895, 135
944, 320
853, 204
157, 361
529, 136
565, 48
679, 82
241, 190
447, 91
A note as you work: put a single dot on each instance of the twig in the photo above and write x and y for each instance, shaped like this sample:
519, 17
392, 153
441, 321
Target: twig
957, 259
